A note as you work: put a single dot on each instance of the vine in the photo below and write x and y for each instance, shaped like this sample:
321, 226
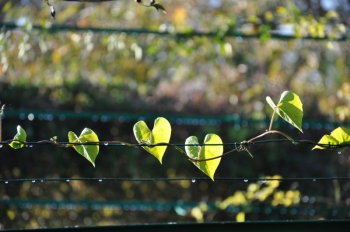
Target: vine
206, 156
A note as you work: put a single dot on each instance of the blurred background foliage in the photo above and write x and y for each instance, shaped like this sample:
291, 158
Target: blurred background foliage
61, 80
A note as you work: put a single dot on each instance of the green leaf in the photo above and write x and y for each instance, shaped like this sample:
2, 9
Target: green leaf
205, 152
20, 136
89, 152
339, 136
160, 134
289, 108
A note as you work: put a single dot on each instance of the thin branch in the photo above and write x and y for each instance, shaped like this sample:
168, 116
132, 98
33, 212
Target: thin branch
273, 132
272, 118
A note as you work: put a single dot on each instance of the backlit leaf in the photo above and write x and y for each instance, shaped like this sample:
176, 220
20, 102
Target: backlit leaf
160, 134
289, 108
205, 152
21, 136
89, 152
339, 136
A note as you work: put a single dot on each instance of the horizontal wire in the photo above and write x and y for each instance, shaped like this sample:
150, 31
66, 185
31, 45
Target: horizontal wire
179, 206
120, 143
192, 179
167, 206
58, 28
194, 120
108, 116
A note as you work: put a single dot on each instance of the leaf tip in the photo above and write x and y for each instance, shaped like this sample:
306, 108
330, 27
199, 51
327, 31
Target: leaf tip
160, 160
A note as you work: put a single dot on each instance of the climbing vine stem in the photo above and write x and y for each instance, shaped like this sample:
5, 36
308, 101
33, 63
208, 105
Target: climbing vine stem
207, 155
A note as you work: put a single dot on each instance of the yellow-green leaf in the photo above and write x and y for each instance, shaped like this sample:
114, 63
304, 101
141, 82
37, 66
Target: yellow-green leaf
339, 136
289, 108
205, 152
192, 151
21, 136
160, 134
89, 152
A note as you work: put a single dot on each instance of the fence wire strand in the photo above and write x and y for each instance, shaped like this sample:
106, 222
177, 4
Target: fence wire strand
192, 179
133, 31
123, 144
169, 206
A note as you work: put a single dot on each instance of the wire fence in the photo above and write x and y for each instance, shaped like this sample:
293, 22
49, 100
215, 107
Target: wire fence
193, 120
192, 179
134, 31
247, 144
180, 120
177, 206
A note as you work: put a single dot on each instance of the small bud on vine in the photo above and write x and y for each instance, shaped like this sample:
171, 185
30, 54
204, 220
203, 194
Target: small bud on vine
54, 139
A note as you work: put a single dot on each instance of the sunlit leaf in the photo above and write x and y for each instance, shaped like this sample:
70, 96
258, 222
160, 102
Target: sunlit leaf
192, 151
289, 108
339, 136
89, 152
21, 136
205, 152
160, 134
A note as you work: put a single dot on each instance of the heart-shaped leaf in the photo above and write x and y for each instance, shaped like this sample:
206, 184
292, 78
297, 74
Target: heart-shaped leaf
89, 152
160, 134
205, 152
339, 136
21, 136
289, 108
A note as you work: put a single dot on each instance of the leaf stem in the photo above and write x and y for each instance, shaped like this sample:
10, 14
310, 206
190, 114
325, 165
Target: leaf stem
272, 118
273, 132
249, 141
